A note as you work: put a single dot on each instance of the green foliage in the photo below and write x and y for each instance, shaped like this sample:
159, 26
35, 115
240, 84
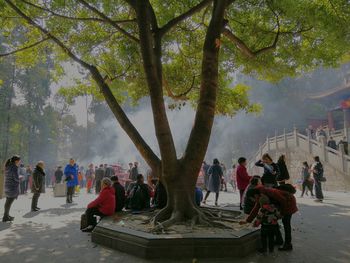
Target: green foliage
311, 33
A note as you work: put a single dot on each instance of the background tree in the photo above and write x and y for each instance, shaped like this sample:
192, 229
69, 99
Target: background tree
184, 50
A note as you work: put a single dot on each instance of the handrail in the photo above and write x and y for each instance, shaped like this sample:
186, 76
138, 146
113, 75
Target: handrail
296, 139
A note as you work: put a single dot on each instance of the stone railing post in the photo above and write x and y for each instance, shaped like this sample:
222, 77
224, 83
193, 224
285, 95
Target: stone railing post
268, 144
324, 150
285, 139
347, 133
260, 150
309, 142
342, 157
2, 180
296, 137
276, 142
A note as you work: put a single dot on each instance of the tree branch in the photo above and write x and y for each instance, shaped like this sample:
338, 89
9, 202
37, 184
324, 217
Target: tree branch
245, 49
182, 96
75, 18
108, 20
199, 138
24, 48
120, 115
168, 26
150, 45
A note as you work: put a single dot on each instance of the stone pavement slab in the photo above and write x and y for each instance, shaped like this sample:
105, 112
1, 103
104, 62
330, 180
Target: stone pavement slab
321, 233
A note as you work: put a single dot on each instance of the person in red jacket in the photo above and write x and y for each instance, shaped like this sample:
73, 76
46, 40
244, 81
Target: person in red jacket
242, 178
284, 196
103, 205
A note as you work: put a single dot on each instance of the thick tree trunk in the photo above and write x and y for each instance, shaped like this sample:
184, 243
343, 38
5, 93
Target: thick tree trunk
181, 204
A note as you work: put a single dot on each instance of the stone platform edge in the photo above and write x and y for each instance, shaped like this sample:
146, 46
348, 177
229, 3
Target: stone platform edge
147, 245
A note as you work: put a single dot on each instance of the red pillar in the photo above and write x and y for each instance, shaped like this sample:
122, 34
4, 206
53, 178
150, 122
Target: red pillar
330, 120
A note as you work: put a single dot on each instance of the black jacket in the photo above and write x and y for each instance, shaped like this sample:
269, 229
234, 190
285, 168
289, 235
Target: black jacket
38, 179
119, 197
283, 171
269, 176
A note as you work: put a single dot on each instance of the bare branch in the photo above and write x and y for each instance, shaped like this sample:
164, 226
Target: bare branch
168, 26
108, 20
24, 48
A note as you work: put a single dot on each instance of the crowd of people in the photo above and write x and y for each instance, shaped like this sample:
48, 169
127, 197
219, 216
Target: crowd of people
321, 136
264, 199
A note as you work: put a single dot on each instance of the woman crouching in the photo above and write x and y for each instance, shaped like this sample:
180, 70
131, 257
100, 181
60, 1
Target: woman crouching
103, 205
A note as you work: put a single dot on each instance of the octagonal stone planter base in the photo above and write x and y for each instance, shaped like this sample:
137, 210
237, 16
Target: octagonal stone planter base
188, 245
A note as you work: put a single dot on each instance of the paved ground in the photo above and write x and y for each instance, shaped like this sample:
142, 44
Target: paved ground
321, 233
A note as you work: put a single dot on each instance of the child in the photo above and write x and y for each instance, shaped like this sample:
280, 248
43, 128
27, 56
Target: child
268, 219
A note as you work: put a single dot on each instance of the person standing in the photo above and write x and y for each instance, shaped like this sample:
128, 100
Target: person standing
283, 174
215, 176
22, 178
71, 174
99, 175
345, 143
109, 171
233, 178
58, 175
29, 172
90, 176
271, 171
332, 144
306, 179
134, 172
38, 178
317, 172
205, 168
11, 185
223, 178
242, 178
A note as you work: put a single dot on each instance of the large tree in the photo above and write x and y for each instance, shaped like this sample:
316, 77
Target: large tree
185, 50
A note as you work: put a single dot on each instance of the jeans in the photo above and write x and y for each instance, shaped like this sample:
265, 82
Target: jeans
90, 213
241, 192
267, 235
318, 189
35, 200
286, 220
8, 204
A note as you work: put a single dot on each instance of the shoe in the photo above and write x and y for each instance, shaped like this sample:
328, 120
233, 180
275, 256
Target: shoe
318, 200
216, 204
286, 248
35, 209
88, 229
8, 219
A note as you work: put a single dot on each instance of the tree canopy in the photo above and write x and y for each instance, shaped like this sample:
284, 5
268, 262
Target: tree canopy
267, 38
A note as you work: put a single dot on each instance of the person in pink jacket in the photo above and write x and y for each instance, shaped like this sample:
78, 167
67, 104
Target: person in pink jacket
103, 205
242, 178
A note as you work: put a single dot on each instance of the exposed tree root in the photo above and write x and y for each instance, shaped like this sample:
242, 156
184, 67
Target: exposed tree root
162, 215
167, 223
166, 218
